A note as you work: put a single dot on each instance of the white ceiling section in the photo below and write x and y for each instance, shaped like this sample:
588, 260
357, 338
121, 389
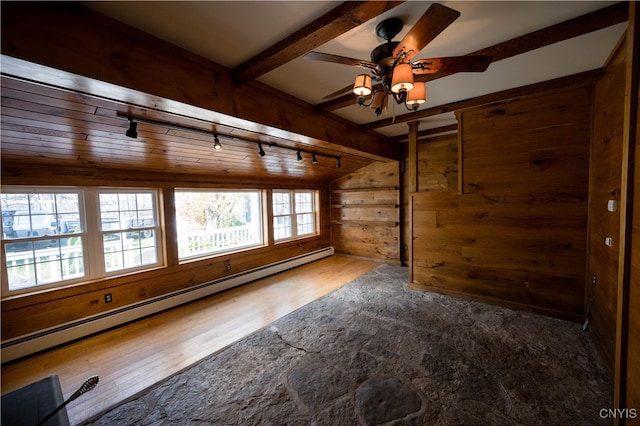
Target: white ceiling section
231, 32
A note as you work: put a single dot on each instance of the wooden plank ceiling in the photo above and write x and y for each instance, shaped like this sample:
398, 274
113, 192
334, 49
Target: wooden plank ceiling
44, 126
66, 114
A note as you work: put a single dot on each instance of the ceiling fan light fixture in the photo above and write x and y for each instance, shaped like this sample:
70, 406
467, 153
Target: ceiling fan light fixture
417, 96
379, 102
362, 85
402, 80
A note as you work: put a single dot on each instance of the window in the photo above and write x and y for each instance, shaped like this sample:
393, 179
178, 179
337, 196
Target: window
212, 222
128, 229
294, 214
52, 236
40, 233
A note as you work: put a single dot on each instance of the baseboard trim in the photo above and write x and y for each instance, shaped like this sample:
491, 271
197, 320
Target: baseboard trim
32, 343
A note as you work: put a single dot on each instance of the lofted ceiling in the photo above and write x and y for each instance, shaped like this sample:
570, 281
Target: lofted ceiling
264, 42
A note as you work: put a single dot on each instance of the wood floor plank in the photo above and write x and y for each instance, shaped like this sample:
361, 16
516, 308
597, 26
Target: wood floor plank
131, 358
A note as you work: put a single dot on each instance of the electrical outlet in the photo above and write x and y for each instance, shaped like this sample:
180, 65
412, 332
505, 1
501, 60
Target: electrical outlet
107, 298
228, 266
594, 279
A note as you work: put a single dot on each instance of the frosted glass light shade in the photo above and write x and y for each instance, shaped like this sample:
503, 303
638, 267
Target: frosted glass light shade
402, 80
362, 85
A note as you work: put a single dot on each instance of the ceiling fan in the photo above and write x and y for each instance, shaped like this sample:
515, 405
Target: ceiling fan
391, 64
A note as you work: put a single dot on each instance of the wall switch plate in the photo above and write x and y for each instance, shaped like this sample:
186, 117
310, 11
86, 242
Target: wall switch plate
608, 241
612, 205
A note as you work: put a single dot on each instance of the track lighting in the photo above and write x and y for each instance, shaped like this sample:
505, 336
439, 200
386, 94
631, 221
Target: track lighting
132, 131
216, 142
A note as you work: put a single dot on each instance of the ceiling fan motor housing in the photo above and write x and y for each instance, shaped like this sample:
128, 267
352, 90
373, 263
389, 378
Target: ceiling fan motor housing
389, 28
383, 54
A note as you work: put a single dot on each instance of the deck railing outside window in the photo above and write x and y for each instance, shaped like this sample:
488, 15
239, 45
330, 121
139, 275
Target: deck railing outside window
196, 243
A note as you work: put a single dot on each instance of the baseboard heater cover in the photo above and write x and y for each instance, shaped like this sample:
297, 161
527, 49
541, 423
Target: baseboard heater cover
32, 343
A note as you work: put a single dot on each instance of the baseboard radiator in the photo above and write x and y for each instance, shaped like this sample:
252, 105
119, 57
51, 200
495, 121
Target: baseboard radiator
29, 344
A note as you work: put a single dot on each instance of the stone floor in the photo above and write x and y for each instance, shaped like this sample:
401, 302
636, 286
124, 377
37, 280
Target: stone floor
374, 352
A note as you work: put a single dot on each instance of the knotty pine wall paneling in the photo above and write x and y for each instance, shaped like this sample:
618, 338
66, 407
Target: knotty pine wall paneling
515, 233
365, 213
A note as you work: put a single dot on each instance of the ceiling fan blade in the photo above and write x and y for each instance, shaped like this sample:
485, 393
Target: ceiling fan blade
451, 64
432, 23
336, 59
342, 91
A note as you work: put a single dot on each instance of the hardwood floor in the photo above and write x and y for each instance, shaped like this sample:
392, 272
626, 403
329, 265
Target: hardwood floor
133, 357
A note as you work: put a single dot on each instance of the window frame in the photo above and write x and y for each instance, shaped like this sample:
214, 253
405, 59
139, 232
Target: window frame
126, 232
90, 235
263, 231
315, 212
4, 289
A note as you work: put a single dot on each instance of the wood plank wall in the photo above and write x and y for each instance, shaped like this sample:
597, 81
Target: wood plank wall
437, 170
605, 185
516, 234
632, 391
25, 314
365, 213
627, 354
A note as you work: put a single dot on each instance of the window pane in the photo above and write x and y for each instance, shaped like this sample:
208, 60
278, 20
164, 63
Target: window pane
282, 227
281, 203
47, 227
132, 215
304, 203
217, 221
305, 224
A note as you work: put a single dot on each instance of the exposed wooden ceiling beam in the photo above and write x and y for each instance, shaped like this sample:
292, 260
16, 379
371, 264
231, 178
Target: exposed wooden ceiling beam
338, 21
118, 60
584, 24
590, 22
426, 133
586, 77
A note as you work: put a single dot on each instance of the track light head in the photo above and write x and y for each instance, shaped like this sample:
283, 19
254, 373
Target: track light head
299, 156
216, 142
132, 131
260, 150
314, 160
